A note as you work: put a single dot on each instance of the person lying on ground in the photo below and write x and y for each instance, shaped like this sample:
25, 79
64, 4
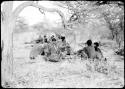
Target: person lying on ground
39, 40
36, 41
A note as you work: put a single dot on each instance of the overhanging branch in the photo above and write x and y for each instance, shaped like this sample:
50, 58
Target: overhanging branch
29, 3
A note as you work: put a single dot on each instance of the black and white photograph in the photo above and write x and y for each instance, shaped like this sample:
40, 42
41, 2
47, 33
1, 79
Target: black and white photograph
62, 44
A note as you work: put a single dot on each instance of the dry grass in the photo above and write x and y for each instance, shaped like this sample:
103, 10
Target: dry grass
75, 74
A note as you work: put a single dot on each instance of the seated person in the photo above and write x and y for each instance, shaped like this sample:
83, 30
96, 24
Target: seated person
99, 54
45, 39
68, 49
89, 50
53, 38
63, 44
58, 36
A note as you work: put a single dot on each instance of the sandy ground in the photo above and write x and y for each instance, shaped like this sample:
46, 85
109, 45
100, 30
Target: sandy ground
40, 74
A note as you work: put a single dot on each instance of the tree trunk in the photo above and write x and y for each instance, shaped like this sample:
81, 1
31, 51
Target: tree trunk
8, 23
7, 52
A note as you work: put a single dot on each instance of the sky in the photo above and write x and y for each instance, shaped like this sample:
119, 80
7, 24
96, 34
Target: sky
33, 16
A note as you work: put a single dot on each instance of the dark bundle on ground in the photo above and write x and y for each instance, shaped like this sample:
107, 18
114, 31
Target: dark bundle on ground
120, 52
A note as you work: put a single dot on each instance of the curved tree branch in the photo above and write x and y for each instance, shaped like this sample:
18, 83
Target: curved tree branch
21, 7
29, 3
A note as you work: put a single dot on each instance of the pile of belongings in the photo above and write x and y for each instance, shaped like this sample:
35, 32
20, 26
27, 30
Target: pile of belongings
54, 48
120, 52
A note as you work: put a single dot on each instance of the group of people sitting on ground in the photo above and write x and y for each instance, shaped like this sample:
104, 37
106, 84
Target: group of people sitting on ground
54, 48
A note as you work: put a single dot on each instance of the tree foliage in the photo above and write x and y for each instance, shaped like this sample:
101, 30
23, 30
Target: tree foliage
114, 17
112, 13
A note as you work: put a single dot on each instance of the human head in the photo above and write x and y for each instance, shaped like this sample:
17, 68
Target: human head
63, 38
89, 42
96, 44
